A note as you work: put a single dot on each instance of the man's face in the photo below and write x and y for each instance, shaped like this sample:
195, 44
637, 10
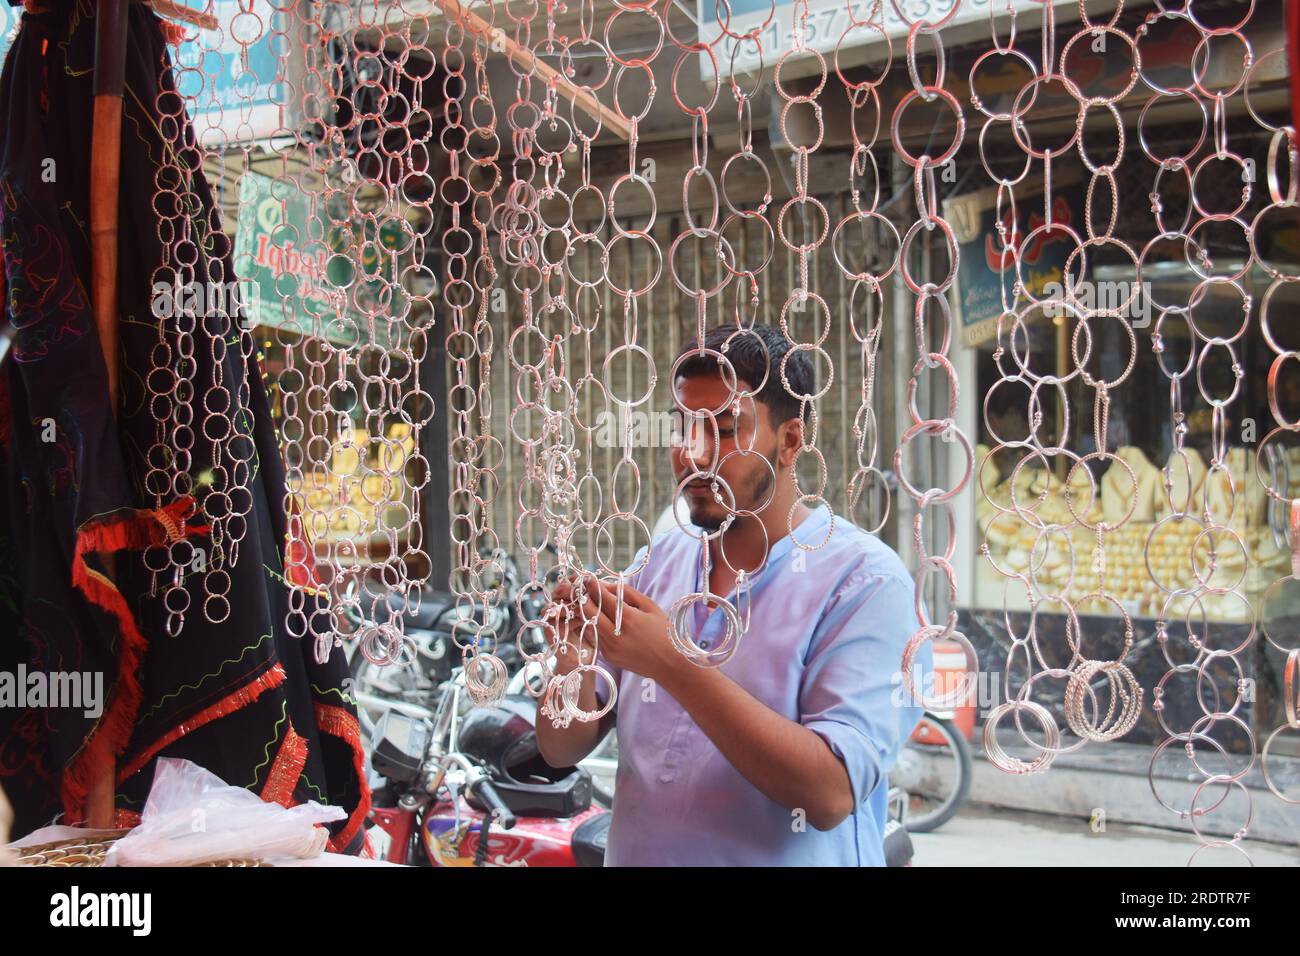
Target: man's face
699, 448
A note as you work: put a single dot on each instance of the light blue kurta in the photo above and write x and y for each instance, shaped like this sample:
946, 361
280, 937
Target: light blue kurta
824, 648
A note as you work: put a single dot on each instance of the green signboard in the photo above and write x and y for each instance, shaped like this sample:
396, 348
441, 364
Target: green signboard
315, 272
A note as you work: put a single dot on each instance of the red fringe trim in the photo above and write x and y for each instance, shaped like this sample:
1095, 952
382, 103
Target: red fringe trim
227, 705
127, 819
337, 722
129, 530
286, 769
368, 849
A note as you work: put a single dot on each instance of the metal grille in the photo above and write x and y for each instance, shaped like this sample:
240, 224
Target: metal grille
669, 322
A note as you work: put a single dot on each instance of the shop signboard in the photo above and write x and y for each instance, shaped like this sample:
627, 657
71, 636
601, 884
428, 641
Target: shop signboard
985, 275
829, 26
236, 77
290, 281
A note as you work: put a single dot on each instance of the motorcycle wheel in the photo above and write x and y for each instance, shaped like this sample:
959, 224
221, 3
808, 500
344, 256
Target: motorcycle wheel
936, 776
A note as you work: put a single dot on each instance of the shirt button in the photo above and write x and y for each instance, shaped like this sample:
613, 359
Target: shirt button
704, 645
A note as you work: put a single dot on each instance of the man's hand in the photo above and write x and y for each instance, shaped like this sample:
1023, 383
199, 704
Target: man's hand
576, 619
789, 763
642, 644
576, 640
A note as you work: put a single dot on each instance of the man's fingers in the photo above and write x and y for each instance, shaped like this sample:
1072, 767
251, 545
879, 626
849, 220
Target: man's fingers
635, 598
585, 620
598, 603
631, 596
600, 606
605, 627
567, 590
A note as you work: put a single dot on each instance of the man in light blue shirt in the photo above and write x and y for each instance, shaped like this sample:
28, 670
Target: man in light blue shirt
780, 755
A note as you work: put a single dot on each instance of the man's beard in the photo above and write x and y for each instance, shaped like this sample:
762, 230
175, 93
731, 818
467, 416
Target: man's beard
713, 520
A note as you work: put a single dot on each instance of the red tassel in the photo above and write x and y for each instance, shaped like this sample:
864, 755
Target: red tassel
227, 705
337, 722
128, 530
109, 736
127, 819
286, 769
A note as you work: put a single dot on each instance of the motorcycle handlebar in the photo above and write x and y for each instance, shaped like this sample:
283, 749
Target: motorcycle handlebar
496, 807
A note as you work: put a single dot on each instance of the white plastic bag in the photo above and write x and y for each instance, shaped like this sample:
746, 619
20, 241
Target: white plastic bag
192, 816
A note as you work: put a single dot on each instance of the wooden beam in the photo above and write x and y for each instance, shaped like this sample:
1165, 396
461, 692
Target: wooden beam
523, 57
174, 11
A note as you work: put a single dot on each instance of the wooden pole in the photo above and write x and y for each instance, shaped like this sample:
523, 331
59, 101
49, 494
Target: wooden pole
105, 177
523, 57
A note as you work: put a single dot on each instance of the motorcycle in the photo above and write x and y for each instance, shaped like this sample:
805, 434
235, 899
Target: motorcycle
471, 789
493, 801
435, 627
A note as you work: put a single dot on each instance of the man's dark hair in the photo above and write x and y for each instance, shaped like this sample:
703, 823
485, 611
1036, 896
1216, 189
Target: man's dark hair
755, 354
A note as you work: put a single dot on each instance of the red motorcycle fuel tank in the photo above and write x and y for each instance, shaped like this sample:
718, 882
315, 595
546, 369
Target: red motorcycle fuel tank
532, 841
